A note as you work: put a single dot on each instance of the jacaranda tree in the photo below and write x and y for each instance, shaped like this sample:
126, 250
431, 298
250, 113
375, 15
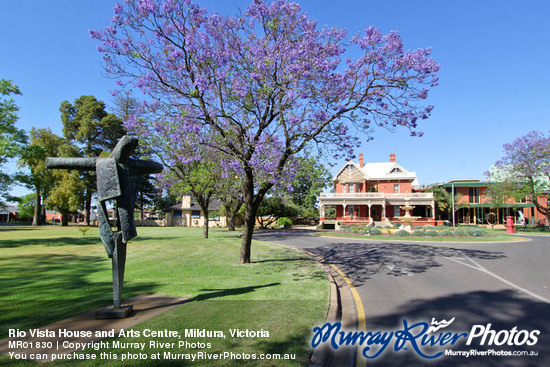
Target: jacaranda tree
524, 172
265, 85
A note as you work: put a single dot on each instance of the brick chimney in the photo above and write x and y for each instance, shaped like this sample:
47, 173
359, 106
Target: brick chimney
186, 201
392, 157
361, 163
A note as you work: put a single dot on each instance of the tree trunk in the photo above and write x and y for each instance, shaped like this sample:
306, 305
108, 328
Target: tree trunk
36, 219
141, 216
249, 217
205, 225
43, 214
231, 209
231, 222
64, 219
88, 206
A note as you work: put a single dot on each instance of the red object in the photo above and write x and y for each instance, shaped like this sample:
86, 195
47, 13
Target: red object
510, 225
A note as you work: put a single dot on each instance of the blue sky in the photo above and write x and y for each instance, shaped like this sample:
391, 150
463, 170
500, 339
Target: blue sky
494, 82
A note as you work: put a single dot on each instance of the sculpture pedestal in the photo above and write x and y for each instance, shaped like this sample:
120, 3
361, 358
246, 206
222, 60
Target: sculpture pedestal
112, 312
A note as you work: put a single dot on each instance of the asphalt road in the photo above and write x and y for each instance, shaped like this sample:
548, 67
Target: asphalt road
505, 284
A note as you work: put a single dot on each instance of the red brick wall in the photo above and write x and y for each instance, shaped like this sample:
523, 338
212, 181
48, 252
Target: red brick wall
387, 186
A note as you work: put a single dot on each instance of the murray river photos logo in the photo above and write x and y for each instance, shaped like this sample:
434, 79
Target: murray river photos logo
427, 340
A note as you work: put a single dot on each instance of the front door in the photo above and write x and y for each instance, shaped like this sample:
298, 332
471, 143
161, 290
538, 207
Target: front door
376, 213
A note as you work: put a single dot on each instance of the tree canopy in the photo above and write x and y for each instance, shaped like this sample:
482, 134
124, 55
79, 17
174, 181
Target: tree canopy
524, 171
43, 144
89, 127
12, 139
262, 86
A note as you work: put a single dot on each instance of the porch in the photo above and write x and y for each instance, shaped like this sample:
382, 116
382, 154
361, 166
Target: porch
342, 208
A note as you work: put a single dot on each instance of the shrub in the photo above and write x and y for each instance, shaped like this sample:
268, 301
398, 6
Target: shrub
284, 222
344, 228
478, 233
375, 232
428, 226
83, 230
402, 233
432, 233
418, 233
459, 233
446, 233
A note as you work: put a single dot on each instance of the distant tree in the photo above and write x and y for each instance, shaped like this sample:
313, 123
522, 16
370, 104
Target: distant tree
524, 172
12, 139
265, 85
165, 199
43, 144
67, 196
125, 105
230, 194
311, 178
273, 208
87, 125
444, 202
26, 207
199, 177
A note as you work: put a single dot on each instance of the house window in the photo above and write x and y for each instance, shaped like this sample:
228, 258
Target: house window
196, 214
395, 170
396, 188
177, 214
352, 209
396, 211
373, 188
351, 188
344, 188
474, 194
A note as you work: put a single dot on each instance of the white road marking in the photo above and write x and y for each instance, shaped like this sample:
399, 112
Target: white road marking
479, 267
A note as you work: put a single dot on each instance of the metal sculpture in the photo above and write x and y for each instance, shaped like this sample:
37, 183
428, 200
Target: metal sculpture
118, 178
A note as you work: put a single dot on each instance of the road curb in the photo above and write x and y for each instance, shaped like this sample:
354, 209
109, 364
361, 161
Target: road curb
341, 309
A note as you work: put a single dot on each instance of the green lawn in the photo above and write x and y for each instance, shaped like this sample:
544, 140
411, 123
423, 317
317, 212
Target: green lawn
51, 273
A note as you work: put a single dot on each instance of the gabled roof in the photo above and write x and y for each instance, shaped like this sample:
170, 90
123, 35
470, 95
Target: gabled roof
350, 162
382, 171
387, 170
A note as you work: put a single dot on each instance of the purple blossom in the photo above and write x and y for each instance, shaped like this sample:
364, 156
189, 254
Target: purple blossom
262, 86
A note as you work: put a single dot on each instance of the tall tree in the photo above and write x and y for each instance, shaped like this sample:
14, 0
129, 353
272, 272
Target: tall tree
43, 144
311, 178
67, 196
524, 172
263, 86
93, 130
12, 139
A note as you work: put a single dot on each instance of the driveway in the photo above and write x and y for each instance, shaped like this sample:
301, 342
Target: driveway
506, 285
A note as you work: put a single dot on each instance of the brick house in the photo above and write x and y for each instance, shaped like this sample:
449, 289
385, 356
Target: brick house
374, 192
478, 204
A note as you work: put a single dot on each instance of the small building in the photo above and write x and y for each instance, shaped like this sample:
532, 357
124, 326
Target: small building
189, 214
479, 207
9, 213
375, 192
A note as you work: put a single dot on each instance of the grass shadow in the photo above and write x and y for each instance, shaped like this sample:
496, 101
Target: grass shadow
58, 241
216, 293
36, 290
